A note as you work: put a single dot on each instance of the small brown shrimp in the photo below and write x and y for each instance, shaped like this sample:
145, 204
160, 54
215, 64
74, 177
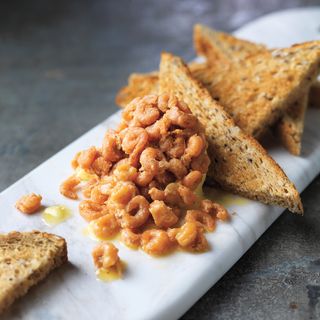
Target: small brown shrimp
192, 179
163, 215
144, 178
215, 209
156, 242
171, 194
134, 142
123, 192
90, 210
96, 195
67, 187
86, 157
150, 99
153, 131
200, 244
201, 163
145, 190
181, 119
184, 107
177, 167
173, 145
74, 161
195, 146
174, 102
106, 226
117, 208
223, 214
156, 194
187, 195
122, 125
152, 160
107, 184
158, 129
101, 166
146, 112
130, 239
128, 111
187, 234
29, 203
123, 171
205, 219
172, 233
163, 100
111, 150
136, 213
87, 188
105, 255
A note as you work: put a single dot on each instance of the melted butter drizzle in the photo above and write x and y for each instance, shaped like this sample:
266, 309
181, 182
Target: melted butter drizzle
55, 214
224, 198
111, 274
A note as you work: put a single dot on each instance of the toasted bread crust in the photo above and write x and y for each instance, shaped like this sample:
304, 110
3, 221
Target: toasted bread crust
268, 82
139, 85
290, 126
25, 259
239, 163
219, 47
142, 84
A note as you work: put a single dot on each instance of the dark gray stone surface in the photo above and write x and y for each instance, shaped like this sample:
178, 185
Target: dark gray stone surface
61, 63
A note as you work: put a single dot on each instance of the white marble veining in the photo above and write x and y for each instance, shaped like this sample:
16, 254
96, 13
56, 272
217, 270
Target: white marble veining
161, 288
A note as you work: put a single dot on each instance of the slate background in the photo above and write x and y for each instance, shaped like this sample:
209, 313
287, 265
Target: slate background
61, 63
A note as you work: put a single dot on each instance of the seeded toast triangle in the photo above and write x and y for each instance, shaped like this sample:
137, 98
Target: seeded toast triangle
219, 47
141, 84
25, 259
239, 163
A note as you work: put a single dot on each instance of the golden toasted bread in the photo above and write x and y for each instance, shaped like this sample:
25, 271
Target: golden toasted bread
25, 259
290, 127
257, 91
239, 163
219, 47
141, 84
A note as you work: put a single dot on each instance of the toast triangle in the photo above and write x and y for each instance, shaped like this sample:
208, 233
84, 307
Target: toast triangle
239, 163
25, 259
219, 47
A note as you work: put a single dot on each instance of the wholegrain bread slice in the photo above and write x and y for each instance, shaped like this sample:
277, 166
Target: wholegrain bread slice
219, 47
142, 84
257, 91
139, 85
25, 259
290, 127
238, 162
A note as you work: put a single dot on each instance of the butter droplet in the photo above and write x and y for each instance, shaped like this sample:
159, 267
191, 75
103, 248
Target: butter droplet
55, 214
112, 273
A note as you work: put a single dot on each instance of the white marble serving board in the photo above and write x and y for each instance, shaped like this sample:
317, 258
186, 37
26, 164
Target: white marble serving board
162, 288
